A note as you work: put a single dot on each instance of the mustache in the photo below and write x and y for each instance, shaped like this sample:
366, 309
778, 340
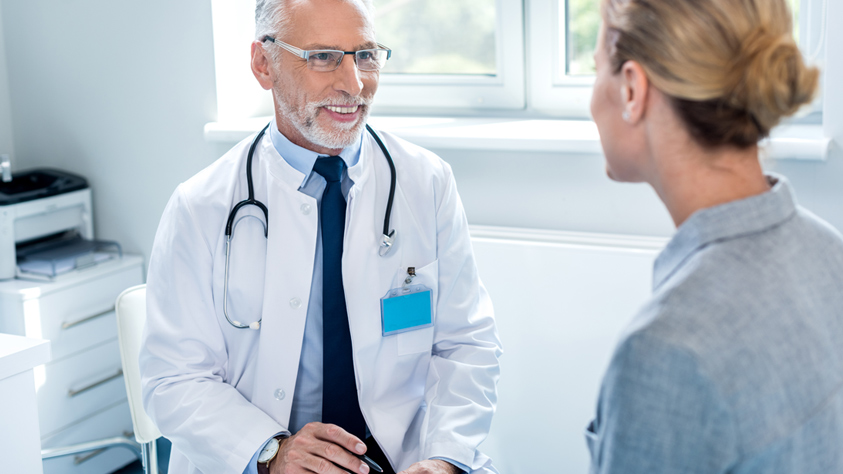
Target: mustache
346, 100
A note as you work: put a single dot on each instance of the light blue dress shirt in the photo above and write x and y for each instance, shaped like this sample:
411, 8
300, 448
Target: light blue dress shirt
736, 363
307, 400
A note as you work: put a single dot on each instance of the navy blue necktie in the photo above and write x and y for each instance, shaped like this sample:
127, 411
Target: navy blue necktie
339, 389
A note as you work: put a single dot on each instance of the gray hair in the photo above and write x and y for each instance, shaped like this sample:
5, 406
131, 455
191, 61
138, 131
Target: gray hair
270, 15
273, 16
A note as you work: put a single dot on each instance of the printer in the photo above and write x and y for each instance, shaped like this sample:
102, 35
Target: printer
39, 203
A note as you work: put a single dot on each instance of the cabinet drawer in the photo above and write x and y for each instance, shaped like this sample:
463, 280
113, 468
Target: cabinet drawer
80, 385
83, 315
113, 421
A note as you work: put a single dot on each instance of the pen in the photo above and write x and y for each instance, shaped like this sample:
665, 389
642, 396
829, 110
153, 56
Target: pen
366, 459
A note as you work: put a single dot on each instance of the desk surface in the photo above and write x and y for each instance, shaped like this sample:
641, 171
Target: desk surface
18, 354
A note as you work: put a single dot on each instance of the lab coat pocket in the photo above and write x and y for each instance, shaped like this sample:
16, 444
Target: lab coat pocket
415, 342
421, 340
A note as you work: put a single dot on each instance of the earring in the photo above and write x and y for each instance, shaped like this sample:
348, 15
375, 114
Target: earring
625, 116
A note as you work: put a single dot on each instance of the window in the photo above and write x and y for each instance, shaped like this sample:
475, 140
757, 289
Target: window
561, 44
567, 30
582, 25
451, 55
809, 24
460, 37
467, 57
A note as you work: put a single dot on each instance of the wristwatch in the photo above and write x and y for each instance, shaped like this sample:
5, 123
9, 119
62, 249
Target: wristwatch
269, 451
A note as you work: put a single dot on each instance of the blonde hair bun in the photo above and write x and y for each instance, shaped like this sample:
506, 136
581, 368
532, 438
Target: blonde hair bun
731, 67
771, 80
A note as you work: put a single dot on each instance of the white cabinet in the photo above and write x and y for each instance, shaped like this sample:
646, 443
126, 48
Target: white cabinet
80, 392
20, 448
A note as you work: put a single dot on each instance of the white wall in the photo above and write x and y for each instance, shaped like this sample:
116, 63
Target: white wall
119, 92
6, 144
553, 191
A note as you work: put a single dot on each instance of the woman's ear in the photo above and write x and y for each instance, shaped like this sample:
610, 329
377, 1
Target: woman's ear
634, 89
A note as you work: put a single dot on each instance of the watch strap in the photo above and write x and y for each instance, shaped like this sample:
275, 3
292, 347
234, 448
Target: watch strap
263, 466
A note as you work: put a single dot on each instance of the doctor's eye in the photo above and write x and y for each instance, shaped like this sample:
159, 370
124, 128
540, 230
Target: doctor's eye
322, 56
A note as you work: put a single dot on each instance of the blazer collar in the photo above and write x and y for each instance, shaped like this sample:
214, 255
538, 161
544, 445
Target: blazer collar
724, 222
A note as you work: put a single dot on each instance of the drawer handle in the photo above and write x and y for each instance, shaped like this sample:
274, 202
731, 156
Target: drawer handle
68, 325
73, 393
77, 460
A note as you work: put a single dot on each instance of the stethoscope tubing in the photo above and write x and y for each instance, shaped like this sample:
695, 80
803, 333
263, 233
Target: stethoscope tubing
386, 242
392, 180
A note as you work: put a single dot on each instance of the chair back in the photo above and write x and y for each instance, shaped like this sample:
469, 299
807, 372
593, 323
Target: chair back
131, 316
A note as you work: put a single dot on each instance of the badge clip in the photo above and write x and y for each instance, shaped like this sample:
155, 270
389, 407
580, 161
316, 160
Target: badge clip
411, 273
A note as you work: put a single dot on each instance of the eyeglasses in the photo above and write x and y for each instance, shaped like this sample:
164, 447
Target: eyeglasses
327, 60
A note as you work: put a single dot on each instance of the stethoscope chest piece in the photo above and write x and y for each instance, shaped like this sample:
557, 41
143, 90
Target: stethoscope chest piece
386, 243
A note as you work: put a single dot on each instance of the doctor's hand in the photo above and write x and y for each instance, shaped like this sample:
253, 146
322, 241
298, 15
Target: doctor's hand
432, 466
317, 448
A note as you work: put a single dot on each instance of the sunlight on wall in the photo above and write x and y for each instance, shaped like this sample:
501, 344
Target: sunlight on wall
239, 95
32, 328
40, 373
32, 318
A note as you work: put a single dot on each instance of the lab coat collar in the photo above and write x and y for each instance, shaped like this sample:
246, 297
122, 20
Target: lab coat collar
303, 159
359, 173
277, 166
726, 221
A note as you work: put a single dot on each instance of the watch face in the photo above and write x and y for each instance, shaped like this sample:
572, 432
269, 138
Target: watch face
268, 451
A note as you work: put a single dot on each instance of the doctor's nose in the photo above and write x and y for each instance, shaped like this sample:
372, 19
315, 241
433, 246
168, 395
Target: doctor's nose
347, 78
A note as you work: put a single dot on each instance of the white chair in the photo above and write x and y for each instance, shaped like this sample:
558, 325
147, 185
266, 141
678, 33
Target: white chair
131, 315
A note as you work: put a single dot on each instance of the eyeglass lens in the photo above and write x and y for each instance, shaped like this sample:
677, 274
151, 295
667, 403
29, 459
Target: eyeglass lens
367, 59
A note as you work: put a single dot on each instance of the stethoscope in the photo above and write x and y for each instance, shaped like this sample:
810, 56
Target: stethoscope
387, 238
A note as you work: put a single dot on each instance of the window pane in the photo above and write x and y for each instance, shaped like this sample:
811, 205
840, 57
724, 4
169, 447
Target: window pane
438, 36
794, 8
583, 24
582, 21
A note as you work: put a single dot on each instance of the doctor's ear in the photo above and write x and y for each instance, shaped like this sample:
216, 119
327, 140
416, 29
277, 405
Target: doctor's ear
634, 90
261, 65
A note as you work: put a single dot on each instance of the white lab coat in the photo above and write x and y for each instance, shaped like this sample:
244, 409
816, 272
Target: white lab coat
219, 392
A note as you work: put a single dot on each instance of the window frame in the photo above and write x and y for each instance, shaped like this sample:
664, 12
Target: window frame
813, 37
567, 96
526, 86
400, 93
570, 96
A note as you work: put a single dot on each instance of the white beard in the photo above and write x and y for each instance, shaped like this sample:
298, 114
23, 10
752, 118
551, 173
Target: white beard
304, 119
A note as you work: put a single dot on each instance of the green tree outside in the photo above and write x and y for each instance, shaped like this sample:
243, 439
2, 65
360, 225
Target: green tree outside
438, 36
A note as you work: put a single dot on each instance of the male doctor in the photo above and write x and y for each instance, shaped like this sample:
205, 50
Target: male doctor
282, 359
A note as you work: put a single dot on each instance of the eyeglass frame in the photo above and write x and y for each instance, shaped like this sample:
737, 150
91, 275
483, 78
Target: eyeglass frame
305, 53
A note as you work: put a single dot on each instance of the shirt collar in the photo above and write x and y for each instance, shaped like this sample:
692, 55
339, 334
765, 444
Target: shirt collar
723, 222
303, 159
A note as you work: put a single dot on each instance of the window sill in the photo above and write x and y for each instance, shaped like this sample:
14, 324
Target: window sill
789, 142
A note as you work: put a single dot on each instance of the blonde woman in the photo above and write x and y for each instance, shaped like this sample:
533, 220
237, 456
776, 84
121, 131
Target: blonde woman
736, 363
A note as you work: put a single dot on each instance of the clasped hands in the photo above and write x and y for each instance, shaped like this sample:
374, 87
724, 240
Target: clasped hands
327, 449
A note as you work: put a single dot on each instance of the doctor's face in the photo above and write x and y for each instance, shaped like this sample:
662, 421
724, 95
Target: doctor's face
323, 111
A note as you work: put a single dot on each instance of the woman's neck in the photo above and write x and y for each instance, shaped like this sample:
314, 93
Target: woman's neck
693, 178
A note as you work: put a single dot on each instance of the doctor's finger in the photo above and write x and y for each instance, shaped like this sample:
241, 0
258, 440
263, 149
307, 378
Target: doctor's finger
337, 435
334, 454
334, 463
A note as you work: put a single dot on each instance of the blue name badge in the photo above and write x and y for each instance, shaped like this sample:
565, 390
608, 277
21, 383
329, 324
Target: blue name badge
405, 309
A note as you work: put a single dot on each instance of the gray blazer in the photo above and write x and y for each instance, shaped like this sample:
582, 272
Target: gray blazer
736, 363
